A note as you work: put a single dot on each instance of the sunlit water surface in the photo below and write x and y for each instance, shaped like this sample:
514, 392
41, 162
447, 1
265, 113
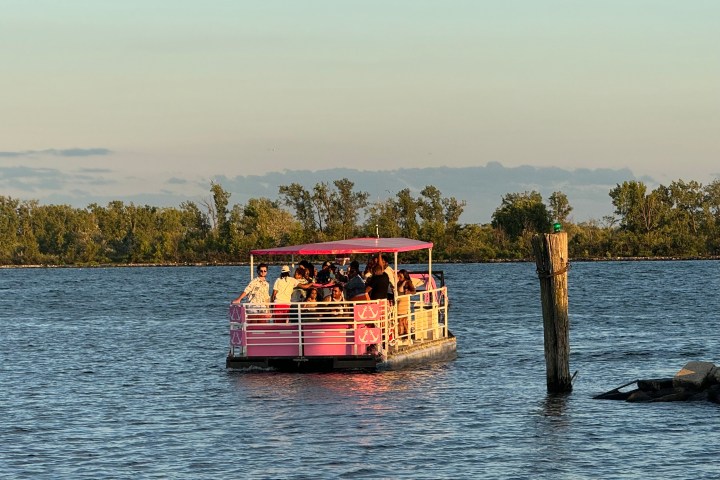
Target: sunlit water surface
119, 373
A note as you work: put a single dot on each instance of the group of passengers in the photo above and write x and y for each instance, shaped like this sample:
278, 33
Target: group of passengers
305, 288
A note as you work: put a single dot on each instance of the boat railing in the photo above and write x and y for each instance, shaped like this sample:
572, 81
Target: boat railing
421, 316
365, 327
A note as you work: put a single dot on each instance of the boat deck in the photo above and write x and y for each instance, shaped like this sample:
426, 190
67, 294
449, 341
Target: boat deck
348, 335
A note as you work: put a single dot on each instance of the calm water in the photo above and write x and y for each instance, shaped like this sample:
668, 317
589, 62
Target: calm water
119, 373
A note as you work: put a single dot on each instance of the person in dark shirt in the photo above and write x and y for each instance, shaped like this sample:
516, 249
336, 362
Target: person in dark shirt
377, 285
309, 270
355, 287
325, 277
339, 276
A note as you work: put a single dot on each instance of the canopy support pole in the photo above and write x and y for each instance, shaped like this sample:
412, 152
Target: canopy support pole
429, 262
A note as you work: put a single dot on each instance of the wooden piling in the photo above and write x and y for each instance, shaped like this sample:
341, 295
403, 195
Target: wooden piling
551, 259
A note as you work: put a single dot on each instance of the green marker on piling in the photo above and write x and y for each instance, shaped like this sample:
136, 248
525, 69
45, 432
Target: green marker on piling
557, 227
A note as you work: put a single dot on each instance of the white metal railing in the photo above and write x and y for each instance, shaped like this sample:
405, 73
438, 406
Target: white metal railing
337, 328
421, 316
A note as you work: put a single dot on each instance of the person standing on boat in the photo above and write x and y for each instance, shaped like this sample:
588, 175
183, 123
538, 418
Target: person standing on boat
369, 268
378, 284
325, 277
405, 287
282, 294
257, 292
337, 274
300, 291
283, 286
309, 270
391, 277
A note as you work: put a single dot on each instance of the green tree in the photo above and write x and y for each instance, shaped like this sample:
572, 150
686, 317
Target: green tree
384, 216
327, 212
474, 243
9, 227
195, 226
711, 206
688, 199
296, 197
327, 216
261, 223
589, 240
520, 212
27, 250
430, 211
113, 221
349, 206
629, 202
644, 216
221, 199
407, 214
143, 233
65, 235
170, 232
439, 217
559, 206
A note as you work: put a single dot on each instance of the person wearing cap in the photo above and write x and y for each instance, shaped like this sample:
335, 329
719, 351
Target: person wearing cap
282, 293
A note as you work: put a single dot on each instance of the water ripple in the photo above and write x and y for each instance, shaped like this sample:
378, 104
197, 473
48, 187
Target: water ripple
119, 373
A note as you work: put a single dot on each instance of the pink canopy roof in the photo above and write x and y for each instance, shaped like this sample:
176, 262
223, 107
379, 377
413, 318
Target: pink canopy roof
353, 245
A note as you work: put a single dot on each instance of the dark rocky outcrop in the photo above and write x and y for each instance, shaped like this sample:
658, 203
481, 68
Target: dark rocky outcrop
695, 381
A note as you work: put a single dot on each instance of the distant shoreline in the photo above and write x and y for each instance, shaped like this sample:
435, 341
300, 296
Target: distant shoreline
245, 264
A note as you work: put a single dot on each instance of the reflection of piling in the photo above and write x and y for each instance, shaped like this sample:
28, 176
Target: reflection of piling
551, 252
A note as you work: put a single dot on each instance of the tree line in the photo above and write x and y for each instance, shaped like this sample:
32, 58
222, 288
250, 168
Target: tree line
679, 220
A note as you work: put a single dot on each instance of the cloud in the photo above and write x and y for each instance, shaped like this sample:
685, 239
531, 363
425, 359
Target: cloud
482, 187
30, 179
95, 170
54, 152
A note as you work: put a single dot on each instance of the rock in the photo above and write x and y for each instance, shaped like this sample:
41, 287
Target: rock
655, 384
617, 393
614, 395
714, 376
639, 396
676, 395
694, 375
700, 396
713, 393
695, 381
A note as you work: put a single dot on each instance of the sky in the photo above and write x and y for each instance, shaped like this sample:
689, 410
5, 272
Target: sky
136, 96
